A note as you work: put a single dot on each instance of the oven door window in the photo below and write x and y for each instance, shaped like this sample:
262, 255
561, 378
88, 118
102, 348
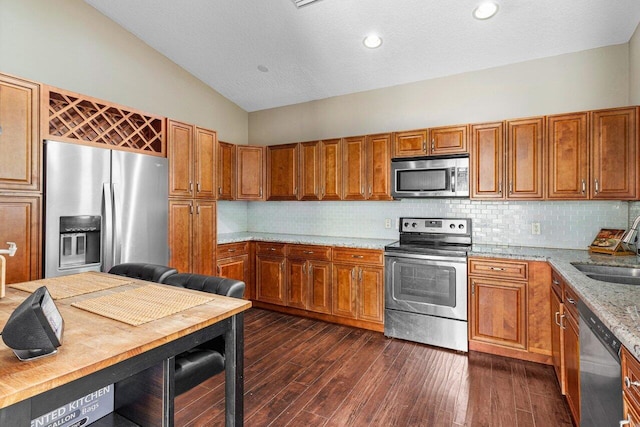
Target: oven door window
425, 284
415, 180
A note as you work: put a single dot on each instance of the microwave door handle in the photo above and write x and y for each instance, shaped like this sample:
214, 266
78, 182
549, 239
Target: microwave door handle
453, 180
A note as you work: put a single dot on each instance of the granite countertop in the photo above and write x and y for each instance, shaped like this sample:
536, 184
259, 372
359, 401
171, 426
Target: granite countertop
347, 242
618, 306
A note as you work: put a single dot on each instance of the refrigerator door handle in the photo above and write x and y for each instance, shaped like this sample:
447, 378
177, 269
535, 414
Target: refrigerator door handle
107, 231
117, 225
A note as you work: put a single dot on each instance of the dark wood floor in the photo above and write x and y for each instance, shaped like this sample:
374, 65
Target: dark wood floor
302, 372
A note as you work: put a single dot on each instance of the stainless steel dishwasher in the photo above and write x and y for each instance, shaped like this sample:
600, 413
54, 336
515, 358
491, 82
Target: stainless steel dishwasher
600, 375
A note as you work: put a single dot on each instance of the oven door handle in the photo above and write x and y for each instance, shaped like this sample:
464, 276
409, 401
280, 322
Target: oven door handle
453, 260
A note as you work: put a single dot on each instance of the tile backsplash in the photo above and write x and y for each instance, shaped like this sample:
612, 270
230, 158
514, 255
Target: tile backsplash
565, 224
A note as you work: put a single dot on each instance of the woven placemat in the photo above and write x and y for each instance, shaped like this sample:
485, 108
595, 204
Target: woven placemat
144, 304
71, 286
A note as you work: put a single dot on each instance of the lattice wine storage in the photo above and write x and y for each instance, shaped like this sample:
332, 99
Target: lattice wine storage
77, 118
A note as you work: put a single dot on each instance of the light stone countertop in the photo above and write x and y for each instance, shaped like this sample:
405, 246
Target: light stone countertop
617, 305
347, 242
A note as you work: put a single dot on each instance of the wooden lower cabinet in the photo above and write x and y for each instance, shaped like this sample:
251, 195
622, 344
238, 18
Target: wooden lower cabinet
510, 308
557, 339
572, 366
309, 285
192, 236
357, 292
498, 310
630, 387
233, 262
20, 223
270, 273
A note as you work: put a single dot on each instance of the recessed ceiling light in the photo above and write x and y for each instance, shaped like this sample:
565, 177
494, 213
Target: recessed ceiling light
485, 10
372, 41
263, 68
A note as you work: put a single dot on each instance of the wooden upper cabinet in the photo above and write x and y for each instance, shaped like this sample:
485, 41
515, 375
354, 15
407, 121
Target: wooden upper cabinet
181, 159
568, 156
487, 161
282, 172
614, 151
19, 134
226, 171
250, 172
205, 155
410, 143
192, 156
354, 174
525, 178
331, 169
310, 165
448, 140
378, 167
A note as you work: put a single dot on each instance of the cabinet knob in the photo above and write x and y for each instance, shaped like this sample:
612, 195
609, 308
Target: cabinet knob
496, 268
357, 256
628, 383
625, 422
584, 186
231, 250
571, 301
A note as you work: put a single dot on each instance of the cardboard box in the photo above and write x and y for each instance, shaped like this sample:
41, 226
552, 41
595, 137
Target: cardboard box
80, 412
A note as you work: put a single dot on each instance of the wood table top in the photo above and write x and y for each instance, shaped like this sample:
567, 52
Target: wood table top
92, 342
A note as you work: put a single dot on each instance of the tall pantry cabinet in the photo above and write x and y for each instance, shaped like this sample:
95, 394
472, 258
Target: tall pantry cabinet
192, 208
20, 191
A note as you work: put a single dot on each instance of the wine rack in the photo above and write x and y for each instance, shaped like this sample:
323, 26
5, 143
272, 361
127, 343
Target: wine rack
78, 118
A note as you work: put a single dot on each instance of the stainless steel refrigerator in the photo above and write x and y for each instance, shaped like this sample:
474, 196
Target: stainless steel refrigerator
102, 208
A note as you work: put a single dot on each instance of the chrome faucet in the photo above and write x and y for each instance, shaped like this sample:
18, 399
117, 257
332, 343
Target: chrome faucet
629, 240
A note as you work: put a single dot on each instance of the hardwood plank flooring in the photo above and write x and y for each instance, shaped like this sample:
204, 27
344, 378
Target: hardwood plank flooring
303, 372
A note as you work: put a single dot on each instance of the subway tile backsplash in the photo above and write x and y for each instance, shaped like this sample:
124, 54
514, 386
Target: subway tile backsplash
565, 224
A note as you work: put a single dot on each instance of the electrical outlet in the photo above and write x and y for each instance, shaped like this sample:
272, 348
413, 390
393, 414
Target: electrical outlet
387, 223
535, 228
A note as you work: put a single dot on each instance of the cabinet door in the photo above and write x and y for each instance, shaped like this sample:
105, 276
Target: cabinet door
205, 150
370, 294
19, 134
319, 276
234, 268
557, 339
567, 156
524, 158
297, 281
309, 171
180, 234
631, 413
539, 308
498, 312
250, 172
379, 167
487, 161
344, 290
282, 172
614, 154
448, 140
410, 143
204, 238
331, 169
355, 168
572, 366
270, 280
226, 171
181, 159
20, 223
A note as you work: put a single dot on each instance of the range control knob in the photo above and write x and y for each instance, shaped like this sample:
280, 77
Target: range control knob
461, 226
452, 226
414, 225
406, 224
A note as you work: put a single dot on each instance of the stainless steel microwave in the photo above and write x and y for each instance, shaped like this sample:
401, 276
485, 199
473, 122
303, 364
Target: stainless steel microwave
422, 177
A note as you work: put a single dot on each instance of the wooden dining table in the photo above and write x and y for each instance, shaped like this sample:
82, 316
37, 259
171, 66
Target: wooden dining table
138, 360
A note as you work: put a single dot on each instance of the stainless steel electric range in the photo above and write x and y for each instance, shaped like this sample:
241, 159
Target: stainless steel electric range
426, 282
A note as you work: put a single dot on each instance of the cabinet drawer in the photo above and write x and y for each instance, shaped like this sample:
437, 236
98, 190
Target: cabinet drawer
359, 256
630, 370
322, 253
232, 249
498, 268
557, 284
270, 248
571, 302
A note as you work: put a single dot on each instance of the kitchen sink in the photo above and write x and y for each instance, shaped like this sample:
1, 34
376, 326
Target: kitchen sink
611, 274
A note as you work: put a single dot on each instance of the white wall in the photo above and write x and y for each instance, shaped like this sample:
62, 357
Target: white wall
70, 45
597, 78
634, 68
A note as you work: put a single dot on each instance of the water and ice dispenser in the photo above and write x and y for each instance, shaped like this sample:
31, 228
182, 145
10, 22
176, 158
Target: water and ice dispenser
79, 240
